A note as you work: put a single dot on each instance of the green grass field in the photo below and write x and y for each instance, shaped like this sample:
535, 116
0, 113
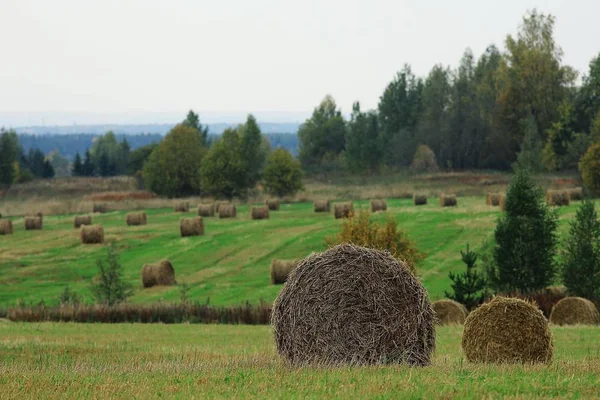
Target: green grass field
57, 360
230, 263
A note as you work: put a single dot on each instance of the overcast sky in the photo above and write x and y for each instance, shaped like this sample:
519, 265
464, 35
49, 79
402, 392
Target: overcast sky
134, 61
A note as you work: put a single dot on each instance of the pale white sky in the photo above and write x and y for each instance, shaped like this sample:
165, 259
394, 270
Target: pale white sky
134, 61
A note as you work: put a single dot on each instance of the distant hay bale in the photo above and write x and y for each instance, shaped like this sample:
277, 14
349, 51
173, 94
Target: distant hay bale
33, 223
182, 207
502, 202
449, 312
353, 305
160, 274
419, 199
92, 234
574, 311
343, 210
448, 200
136, 218
79, 220
260, 212
219, 203
273, 204
6, 227
322, 206
507, 330
280, 270
100, 208
206, 210
557, 198
227, 211
378, 205
191, 226
575, 194
493, 199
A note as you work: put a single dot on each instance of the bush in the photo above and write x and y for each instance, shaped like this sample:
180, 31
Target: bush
589, 168
68, 297
424, 160
469, 287
282, 175
111, 288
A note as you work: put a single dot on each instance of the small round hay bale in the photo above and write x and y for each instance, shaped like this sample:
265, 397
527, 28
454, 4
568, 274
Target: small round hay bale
33, 223
343, 210
378, 205
353, 305
219, 203
448, 200
79, 220
575, 194
280, 270
273, 204
493, 199
322, 206
191, 226
260, 212
100, 208
136, 218
574, 311
6, 227
419, 199
557, 198
449, 312
227, 211
502, 202
182, 207
206, 210
507, 330
159, 274
92, 234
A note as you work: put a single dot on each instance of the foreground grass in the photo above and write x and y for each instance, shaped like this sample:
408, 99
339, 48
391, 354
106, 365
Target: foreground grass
52, 360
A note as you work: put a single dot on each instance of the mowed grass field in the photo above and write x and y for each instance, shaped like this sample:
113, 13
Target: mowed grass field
230, 263
59, 360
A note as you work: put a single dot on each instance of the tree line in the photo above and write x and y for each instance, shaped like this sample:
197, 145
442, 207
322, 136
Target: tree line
16, 166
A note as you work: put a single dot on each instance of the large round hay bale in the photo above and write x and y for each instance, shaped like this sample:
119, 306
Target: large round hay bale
136, 218
79, 220
227, 211
449, 312
273, 204
507, 330
322, 206
575, 194
181, 207
100, 208
557, 198
343, 210
33, 223
191, 226
280, 270
419, 199
160, 274
448, 200
260, 212
206, 210
378, 205
574, 311
6, 227
92, 234
493, 199
353, 305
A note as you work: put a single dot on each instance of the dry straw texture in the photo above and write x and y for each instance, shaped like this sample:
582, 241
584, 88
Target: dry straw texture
100, 208
6, 227
574, 311
557, 198
191, 226
448, 200
378, 205
419, 199
507, 330
181, 207
161, 274
260, 212
32, 223
280, 270
92, 234
79, 220
273, 204
220, 203
449, 312
227, 211
137, 218
575, 194
322, 206
353, 305
343, 210
493, 199
206, 210
502, 203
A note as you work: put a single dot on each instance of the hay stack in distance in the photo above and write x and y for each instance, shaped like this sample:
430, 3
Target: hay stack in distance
227, 211
79, 220
273, 204
33, 223
280, 270
575, 194
191, 226
502, 202
322, 206
507, 330
449, 312
493, 199
419, 199
260, 212
448, 200
378, 205
159, 274
100, 208
6, 227
92, 234
343, 210
136, 218
574, 311
332, 297
181, 207
219, 203
206, 210
557, 198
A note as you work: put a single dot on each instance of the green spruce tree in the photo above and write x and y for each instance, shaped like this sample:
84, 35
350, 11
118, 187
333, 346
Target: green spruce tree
469, 287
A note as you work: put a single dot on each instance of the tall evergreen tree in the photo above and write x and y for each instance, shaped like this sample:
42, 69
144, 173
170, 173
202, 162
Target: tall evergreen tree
88, 165
468, 288
252, 152
530, 155
363, 147
9, 156
193, 121
48, 170
77, 169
